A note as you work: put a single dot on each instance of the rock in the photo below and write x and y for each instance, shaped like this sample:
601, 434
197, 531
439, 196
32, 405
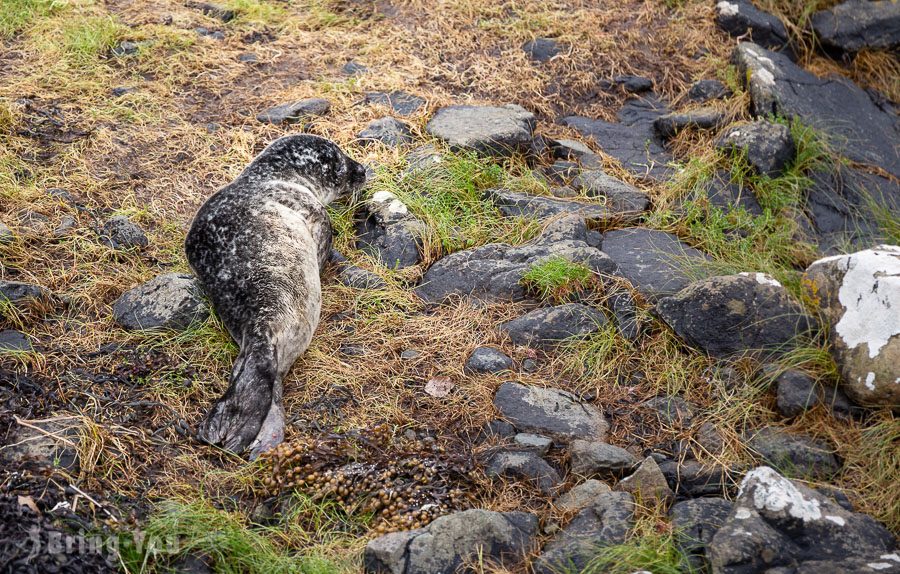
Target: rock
6, 234
729, 195
550, 412
352, 68
707, 90
634, 84
740, 18
798, 455
796, 393
169, 301
549, 326
449, 541
399, 102
542, 49
852, 122
669, 125
582, 495
294, 112
620, 196
51, 443
632, 140
125, 48
497, 429
625, 310
710, 439
589, 458
421, 159
777, 522
646, 482
523, 465
561, 172
517, 204
488, 360
736, 314
389, 131
213, 10
538, 444
672, 411
14, 341
855, 25
577, 151
22, 294
655, 262
119, 232
489, 130
493, 272
692, 478
695, 523
605, 522
859, 295
390, 232
214, 34
66, 225
409, 354
356, 277
768, 147
248, 58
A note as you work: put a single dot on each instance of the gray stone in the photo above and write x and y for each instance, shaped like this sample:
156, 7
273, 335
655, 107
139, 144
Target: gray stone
125, 48
634, 84
672, 411
768, 147
854, 124
589, 458
497, 429
119, 232
655, 262
410, 354
577, 151
859, 295
353, 276
390, 232
695, 522
542, 49
489, 130
582, 495
669, 125
538, 444
856, 25
632, 140
6, 234
709, 439
399, 102
452, 540
14, 341
169, 301
518, 204
66, 225
422, 158
605, 522
741, 19
706, 90
494, 272
625, 310
49, 444
692, 478
779, 523
647, 482
389, 131
248, 58
561, 172
488, 360
21, 294
549, 326
796, 393
799, 456
213, 10
736, 314
550, 412
352, 68
294, 112
523, 465
729, 195
620, 196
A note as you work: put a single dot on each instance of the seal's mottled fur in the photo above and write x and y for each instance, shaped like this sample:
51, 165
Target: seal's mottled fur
257, 247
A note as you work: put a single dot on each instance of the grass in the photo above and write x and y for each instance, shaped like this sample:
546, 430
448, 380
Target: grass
84, 40
15, 15
655, 553
557, 278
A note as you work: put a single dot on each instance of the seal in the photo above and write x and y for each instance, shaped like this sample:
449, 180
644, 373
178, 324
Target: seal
257, 247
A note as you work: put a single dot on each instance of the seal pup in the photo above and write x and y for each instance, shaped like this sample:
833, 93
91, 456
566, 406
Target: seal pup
257, 246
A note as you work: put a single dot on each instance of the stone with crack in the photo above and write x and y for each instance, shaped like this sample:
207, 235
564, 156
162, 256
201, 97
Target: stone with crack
551, 412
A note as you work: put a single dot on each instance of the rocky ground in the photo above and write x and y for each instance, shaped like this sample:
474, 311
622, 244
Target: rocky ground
620, 295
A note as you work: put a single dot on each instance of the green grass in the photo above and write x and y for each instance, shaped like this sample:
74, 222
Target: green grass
557, 278
228, 541
656, 553
15, 15
449, 198
85, 39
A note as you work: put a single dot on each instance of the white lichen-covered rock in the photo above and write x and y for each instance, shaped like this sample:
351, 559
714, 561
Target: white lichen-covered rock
776, 523
859, 294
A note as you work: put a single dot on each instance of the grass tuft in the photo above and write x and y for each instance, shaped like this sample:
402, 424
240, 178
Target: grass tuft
557, 278
15, 15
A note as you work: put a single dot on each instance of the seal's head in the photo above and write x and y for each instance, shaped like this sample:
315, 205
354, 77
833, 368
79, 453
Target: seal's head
312, 161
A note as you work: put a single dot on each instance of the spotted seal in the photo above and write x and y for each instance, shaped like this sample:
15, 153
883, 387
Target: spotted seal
257, 247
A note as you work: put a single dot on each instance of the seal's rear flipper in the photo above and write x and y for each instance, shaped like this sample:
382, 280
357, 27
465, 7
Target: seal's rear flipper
271, 434
236, 418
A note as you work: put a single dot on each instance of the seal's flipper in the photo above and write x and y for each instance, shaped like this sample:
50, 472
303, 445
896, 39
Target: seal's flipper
271, 434
237, 417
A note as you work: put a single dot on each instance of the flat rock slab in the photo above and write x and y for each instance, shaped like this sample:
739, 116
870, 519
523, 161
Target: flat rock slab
707, 118
590, 458
798, 455
655, 262
488, 360
489, 130
856, 25
582, 495
399, 102
354, 276
388, 131
543, 49
632, 140
449, 541
605, 522
859, 295
549, 326
493, 272
169, 301
736, 314
21, 293
619, 196
741, 19
12, 341
776, 522
294, 112
523, 465
514, 203
552, 412
729, 195
696, 522
853, 123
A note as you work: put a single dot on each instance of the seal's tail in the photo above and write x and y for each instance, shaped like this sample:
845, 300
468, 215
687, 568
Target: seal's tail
236, 418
